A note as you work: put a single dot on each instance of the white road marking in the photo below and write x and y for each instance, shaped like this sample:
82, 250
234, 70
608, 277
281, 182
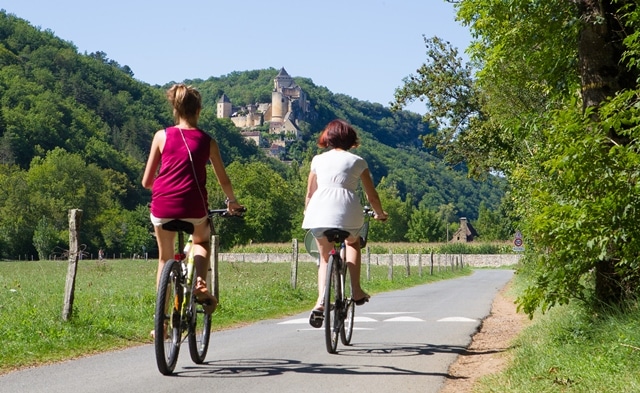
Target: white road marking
294, 321
404, 319
364, 319
395, 319
392, 313
457, 319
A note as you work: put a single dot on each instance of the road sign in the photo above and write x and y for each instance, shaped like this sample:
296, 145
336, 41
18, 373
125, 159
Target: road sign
518, 243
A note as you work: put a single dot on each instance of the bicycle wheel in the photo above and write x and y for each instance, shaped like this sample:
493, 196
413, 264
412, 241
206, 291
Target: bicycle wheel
199, 331
168, 328
349, 310
332, 294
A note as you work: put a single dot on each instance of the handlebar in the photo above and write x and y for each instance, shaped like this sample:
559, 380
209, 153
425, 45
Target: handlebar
226, 213
368, 211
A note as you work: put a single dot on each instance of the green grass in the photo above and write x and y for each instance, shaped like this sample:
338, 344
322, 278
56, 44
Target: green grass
114, 303
571, 350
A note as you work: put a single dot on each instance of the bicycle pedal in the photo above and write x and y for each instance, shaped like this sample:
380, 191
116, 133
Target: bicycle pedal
316, 318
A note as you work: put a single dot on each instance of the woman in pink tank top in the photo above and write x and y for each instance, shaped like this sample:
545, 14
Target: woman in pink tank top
177, 176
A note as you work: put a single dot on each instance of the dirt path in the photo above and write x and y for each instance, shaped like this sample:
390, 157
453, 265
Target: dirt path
487, 353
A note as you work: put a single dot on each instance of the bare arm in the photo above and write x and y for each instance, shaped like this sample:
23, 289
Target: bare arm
153, 162
312, 186
372, 195
221, 174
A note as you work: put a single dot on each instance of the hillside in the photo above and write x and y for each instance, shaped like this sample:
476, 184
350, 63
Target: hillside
390, 141
75, 130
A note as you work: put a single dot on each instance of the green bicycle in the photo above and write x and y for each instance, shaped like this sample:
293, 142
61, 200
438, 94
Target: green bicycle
178, 314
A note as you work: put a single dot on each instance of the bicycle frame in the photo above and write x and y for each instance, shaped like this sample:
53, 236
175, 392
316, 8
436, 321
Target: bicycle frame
339, 308
177, 310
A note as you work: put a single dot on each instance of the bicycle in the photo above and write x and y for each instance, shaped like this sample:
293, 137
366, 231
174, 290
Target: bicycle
339, 306
177, 310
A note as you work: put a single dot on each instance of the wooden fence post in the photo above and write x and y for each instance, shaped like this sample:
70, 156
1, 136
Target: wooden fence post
390, 273
74, 223
431, 268
368, 264
406, 263
294, 264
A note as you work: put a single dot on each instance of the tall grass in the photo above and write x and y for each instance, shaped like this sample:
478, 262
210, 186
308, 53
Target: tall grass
396, 248
114, 303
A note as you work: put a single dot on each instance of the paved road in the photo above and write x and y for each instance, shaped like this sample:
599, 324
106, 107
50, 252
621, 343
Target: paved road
403, 341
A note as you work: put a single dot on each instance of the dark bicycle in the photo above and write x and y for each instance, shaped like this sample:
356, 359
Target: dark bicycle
339, 305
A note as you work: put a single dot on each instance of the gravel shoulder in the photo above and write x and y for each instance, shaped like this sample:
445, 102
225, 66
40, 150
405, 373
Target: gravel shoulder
489, 349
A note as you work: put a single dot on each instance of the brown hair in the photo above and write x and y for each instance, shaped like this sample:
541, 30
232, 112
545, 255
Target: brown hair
186, 102
338, 134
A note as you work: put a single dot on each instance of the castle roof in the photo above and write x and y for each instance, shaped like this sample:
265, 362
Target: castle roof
282, 73
284, 80
224, 98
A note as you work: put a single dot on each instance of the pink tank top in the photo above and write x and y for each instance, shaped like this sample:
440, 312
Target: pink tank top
176, 192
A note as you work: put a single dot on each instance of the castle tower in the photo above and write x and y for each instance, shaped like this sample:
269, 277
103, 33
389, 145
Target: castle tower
224, 107
279, 101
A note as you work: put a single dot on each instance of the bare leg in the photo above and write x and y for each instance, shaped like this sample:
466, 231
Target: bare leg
354, 258
324, 248
165, 241
201, 249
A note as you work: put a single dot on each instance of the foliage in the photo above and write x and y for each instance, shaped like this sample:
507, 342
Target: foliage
553, 106
45, 238
425, 226
269, 200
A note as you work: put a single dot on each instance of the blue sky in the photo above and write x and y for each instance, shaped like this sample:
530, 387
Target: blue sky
362, 48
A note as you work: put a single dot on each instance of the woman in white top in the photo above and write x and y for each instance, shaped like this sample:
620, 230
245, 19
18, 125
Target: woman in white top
332, 202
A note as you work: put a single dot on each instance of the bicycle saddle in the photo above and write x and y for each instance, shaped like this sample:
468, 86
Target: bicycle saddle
178, 226
336, 235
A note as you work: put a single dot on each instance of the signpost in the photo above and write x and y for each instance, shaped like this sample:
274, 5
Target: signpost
518, 244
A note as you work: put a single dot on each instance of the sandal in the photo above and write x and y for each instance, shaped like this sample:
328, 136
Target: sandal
316, 317
208, 301
363, 300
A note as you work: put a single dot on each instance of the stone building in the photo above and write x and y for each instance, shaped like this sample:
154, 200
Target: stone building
466, 233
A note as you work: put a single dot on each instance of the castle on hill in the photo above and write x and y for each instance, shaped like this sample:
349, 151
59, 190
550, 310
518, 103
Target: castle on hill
288, 106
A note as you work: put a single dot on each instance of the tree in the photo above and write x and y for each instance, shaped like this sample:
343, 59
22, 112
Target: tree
425, 226
552, 105
45, 238
62, 181
269, 200
394, 229
447, 214
492, 225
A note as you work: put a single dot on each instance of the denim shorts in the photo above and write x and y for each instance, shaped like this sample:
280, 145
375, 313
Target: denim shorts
319, 232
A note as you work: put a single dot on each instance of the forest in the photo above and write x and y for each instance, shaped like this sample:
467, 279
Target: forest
75, 130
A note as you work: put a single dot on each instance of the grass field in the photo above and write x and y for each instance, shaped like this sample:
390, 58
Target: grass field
114, 303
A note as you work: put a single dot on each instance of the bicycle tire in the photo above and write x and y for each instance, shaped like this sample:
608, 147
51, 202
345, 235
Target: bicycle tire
332, 294
346, 332
167, 320
199, 331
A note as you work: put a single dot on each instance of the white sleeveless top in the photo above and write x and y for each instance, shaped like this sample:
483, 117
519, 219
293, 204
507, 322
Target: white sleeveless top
335, 203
